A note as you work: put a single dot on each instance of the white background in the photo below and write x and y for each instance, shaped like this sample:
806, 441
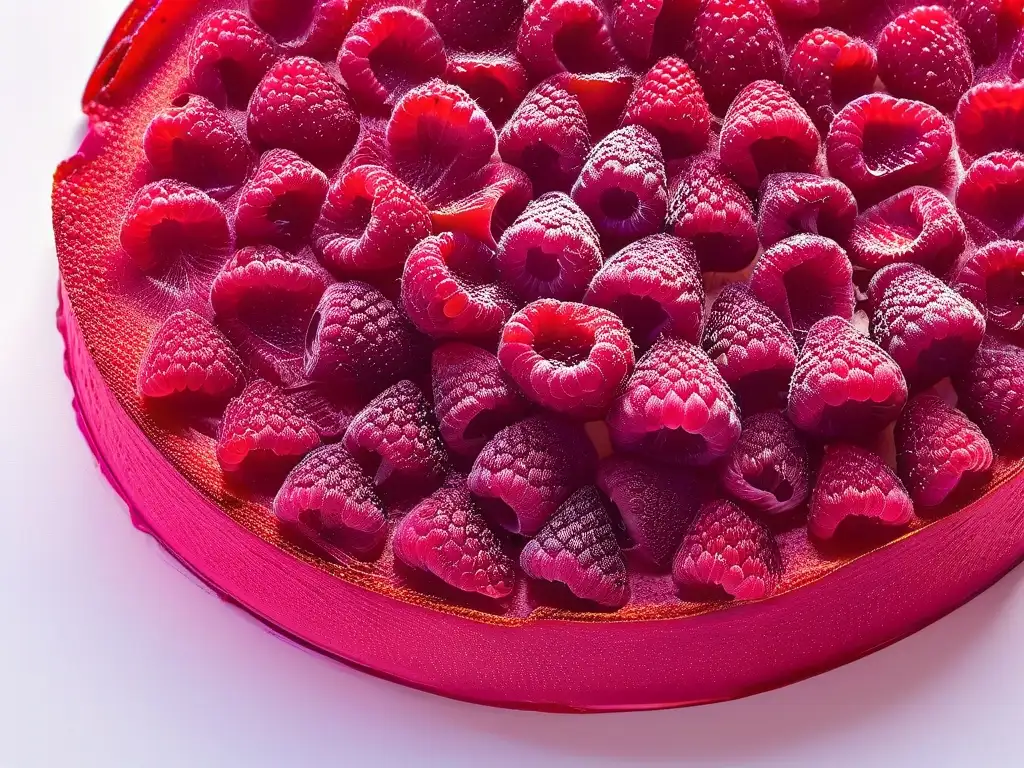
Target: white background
111, 656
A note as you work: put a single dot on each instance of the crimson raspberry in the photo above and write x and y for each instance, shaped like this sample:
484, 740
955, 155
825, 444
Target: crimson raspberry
991, 392
228, 57
497, 83
768, 469
565, 36
474, 25
992, 278
990, 197
798, 203
669, 102
281, 202
990, 118
980, 21
646, 28
314, 30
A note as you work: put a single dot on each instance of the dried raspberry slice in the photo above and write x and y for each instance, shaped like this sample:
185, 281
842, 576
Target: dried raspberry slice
282, 201
993, 279
577, 547
991, 392
565, 36
446, 535
855, 482
803, 279
990, 118
497, 83
766, 131
568, 357
669, 102
929, 329
528, 469
750, 346
727, 549
980, 20
228, 57
802, 203
313, 28
918, 225
676, 407
476, 25
499, 194
990, 197
937, 449
768, 468
844, 385
647, 28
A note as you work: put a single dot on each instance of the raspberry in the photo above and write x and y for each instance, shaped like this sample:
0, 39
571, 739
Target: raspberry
475, 25
990, 118
827, 69
228, 57
768, 468
528, 469
622, 184
923, 54
497, 83
450, 287
602, 96
388, 52
187, 354
550, 251
646, 28
798, 203
990, 197
727, 549
654, 285
929, 329
710, 210
299, 106
734, 42
855, 482
369, 222
979, 20
669, 102
358, 339
937, 448
395, 438
446, 535
281, 202
567, 357
803, 279
991, 392
473, 397
315, 29
501, 193
577, 547
195, 142
751, 348
676, 407
844, 384
565, 36
993, 279
918, 225
878, 145
655, 503
766, 131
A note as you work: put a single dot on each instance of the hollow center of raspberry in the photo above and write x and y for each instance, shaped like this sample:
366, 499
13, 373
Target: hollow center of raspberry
1005, 209
284, 19
470, 267
778, 155
542, 163
292, 214
565, 345
541, 265
578, 46
644, 317
235, 81
889, 146
279, 317
899, 228
1005, 291
619, 204
394, 63
811, 293
770, 480
356, 216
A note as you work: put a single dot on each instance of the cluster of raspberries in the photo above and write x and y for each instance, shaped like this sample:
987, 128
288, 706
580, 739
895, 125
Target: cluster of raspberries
574, 291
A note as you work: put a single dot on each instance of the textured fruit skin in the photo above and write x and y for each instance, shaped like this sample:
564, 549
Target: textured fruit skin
281, 203
992, 277
991, 392
989, 198
228, 56
768, 469
669, 102
802, 203
990, 118
538, 45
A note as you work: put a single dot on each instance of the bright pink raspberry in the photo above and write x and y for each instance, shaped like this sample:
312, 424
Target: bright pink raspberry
803, 279
676, 407
654, 285
766, 131
980, 20
656, 503
929, 329
451, 288
577, 547
990, 197
669, 102
803, 203
710, 210
827, 69
315, 29
567, 357
856, 482
551, 251
993, 279
938, 448
750, 346
476, 25
622, 185
844, 385
496, 82
727, 549
734, 42
446, 535
281, 202
990, 118
565, 36
923, 54
228, 57
878, 144
918, 225
991, 392
645, 29
528, 469
768, 469
495, 197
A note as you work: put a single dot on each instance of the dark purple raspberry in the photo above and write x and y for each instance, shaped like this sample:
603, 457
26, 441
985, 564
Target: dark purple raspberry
991, 392
855, 482
473, 397
669, 102
768, 469
937, 448
803, 279
550, 251
990, 118
475, 25
710, 210
802, 203
727, 549
528, 469
656, 504
676, 407
228, 57
495, 197
446, 535
752, 349
654, 285
990, 197
577, 547
929, 329
565, 36
649, 28
993, 279
980, 20
567, 357
844, 385
281, 202
496, 82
